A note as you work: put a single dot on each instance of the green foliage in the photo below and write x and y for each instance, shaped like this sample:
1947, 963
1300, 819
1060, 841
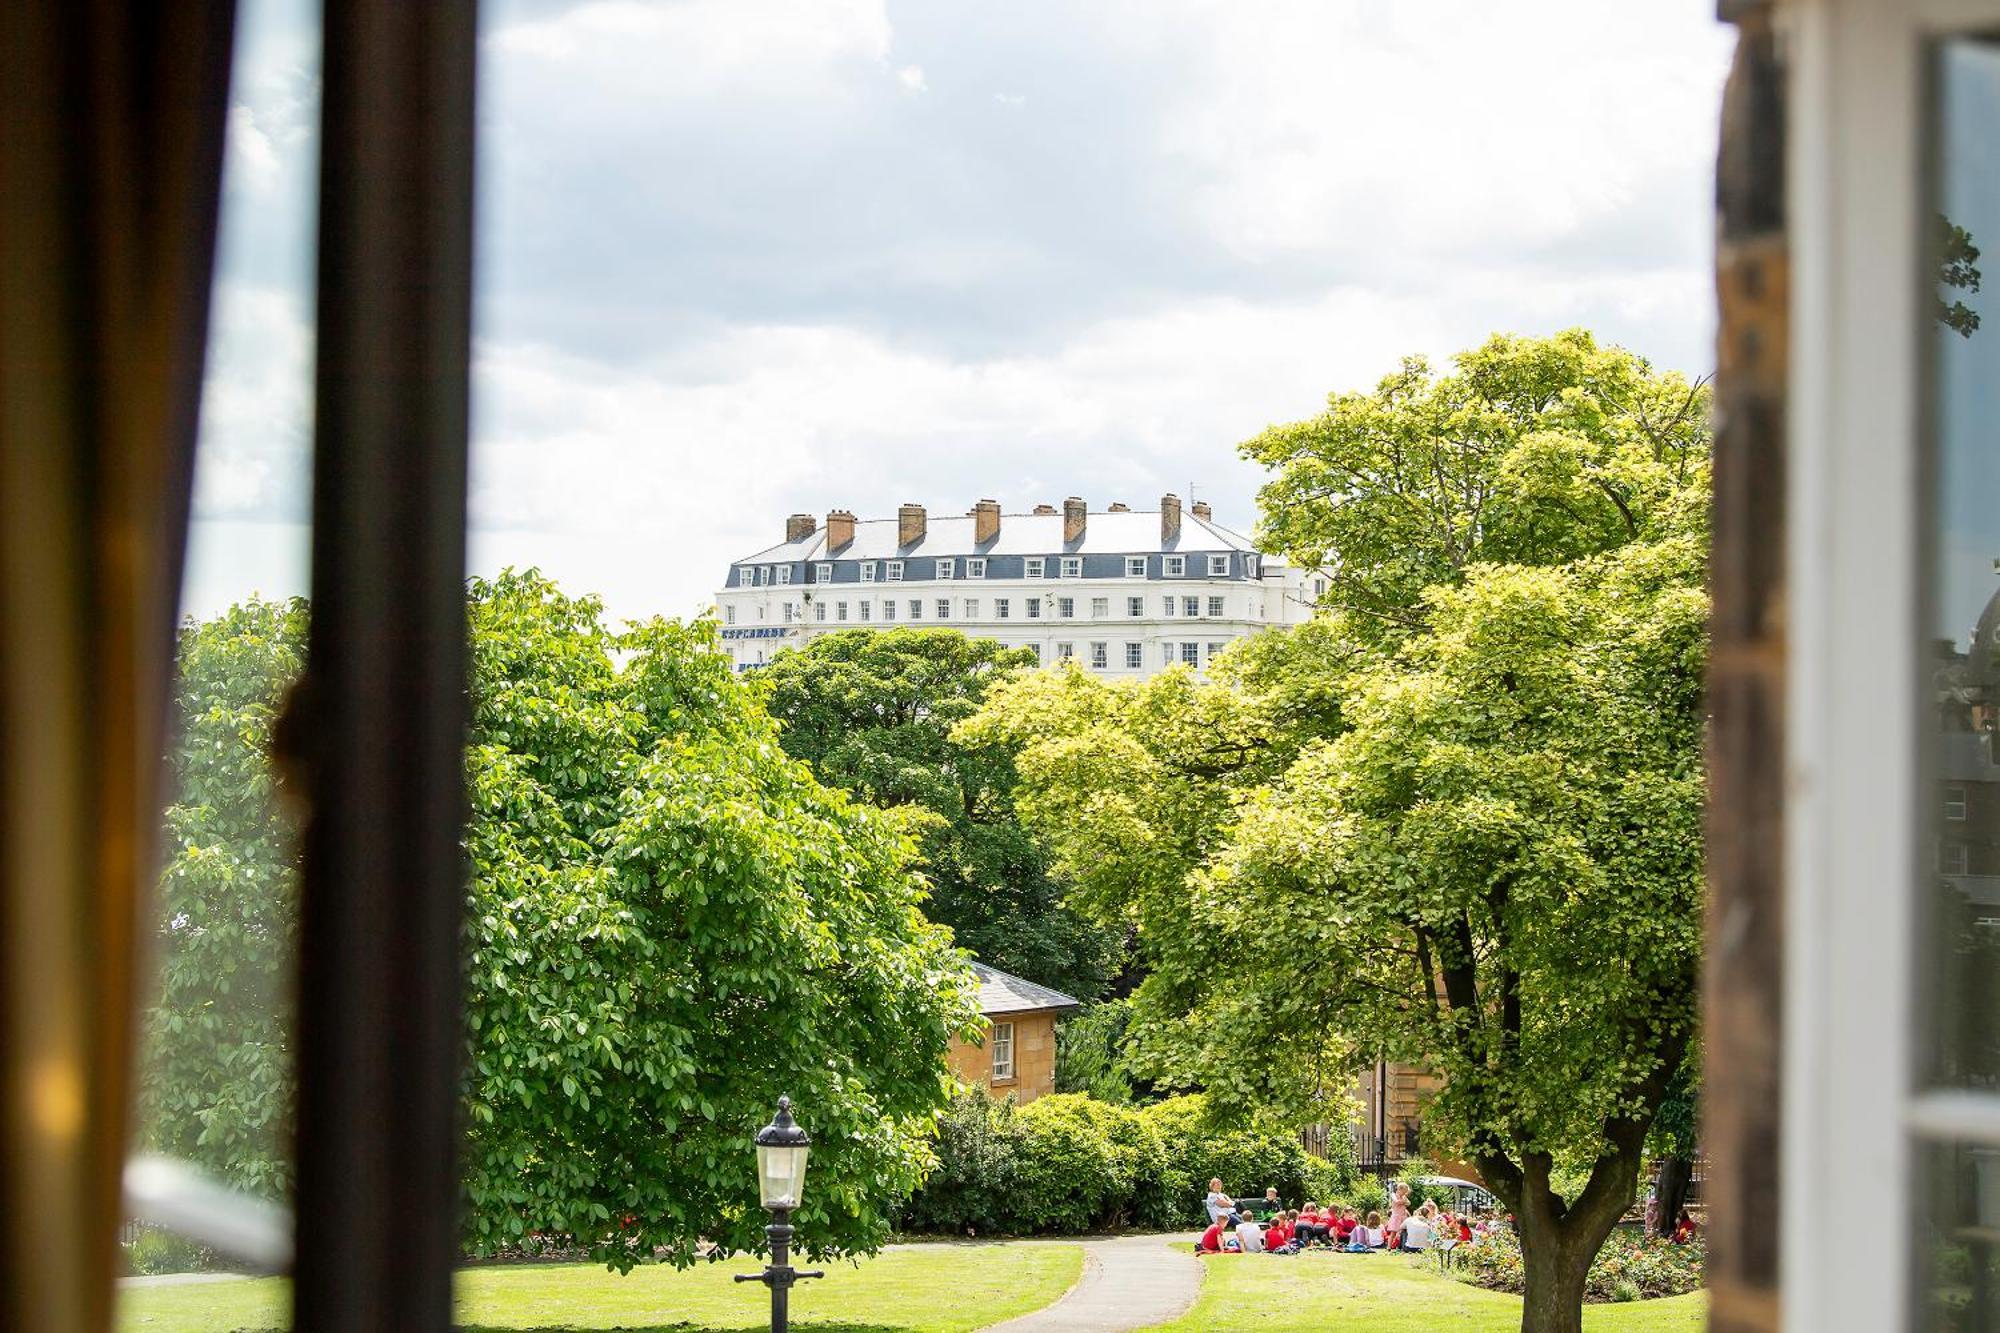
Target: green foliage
1067, 1164
215, 1083
1629, 1267
670, 923
873, 712
1092, 1055
1957, 260
154, 1251
1456, 822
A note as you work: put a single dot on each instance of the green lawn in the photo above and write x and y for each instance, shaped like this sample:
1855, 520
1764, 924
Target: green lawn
946, 1289
1380, 1293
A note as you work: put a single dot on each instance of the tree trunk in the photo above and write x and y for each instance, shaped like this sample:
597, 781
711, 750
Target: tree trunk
1670, 1191
1556, 1263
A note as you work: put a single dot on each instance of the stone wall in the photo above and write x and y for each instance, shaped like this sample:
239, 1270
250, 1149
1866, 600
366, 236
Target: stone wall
1034, 1058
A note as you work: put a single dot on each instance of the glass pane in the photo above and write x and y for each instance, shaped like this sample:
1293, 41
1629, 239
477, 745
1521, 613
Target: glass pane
216, 1055
1960, 1023
1958, 1238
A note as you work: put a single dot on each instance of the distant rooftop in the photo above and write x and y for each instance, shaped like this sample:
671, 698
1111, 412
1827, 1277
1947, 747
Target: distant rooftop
1113, 532
1004, 993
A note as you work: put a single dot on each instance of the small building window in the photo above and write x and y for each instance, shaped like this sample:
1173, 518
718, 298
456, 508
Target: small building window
1190, 607
1135, 566
822, 573
729, 614
1176, 566
975, 568
867, 571
1003, 1052
895, 571
999, 608
944, 608
763, 575
791, 612
1167, 606
1167, 654
1072, 567
1215, 650
1100, 656
1135, 655
1034, 605
784, 573
1100, 607
1035, 567
1066, 607
972, 608
916, 608
1215, 606
1249, 566
1135, 607
840, 611
888, 609
944, 568
819, 610
1218, 566
1954, 803
1065, 651
1036, 649
1951, 858
1191, 654
867, 608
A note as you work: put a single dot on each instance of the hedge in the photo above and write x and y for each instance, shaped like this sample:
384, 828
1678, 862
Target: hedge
1068, 1163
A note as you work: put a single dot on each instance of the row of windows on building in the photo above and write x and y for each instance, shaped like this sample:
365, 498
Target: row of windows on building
1098, 655
1033, 567
1033, 608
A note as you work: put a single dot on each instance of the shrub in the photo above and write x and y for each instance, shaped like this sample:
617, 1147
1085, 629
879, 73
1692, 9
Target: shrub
1081, 1162
153, 1252
972, 1187
1629, 1267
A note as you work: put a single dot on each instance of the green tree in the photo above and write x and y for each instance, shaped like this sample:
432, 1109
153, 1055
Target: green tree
216, 1080
873, 712
670, 922
1480, 848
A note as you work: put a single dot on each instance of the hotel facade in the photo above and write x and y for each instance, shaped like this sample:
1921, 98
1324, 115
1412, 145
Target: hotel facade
1121, 592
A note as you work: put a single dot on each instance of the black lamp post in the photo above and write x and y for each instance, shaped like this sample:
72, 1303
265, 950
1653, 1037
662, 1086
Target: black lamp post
781, 1179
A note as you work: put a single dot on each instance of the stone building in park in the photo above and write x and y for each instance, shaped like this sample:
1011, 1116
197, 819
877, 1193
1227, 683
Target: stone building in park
1123, 592
1018, 1057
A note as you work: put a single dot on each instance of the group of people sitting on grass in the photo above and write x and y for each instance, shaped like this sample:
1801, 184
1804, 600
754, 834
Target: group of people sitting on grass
1235, 1229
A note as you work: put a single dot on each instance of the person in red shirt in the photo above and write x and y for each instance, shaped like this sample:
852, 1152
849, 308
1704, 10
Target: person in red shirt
1211, 1239
1343, 1226
1311, 1225
1279, 1233
1684, 1229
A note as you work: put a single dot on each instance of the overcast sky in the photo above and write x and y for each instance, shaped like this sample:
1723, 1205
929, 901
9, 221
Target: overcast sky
744, 257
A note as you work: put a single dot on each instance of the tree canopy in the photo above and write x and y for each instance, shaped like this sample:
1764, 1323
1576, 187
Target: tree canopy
670, 922
1455, 821
873, 712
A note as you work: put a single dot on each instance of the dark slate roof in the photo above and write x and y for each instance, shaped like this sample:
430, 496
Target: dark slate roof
1132, 532
1004, 993
1966, 756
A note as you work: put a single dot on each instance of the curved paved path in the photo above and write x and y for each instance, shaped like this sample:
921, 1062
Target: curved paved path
1128, 1282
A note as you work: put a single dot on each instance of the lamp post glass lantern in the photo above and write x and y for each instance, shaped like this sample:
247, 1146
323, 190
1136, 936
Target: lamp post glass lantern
781, 1178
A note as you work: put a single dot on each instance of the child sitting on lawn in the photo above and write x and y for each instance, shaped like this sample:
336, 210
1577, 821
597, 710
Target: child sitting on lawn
1249, 1235
1366, 1235
1344, 1225
1211, 1239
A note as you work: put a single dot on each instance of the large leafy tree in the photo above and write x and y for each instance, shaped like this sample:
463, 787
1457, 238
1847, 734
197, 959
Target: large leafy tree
1485, 856
670, 923
873, 712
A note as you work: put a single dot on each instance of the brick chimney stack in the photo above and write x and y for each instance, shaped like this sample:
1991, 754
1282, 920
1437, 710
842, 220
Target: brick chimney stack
985, 521
1170, 517
839, 529
800, 526
1119, 507
909, 525
1202, 511
1045, 509
1075, 514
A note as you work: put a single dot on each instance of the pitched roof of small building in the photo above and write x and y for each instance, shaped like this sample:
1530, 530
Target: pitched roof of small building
1004, 993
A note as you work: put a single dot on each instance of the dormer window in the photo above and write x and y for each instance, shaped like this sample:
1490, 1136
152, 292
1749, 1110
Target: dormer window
1218, 566
895, 571
1035, 567
1176, 566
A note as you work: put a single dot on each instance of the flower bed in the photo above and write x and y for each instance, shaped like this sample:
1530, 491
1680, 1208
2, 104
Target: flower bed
1628, 1268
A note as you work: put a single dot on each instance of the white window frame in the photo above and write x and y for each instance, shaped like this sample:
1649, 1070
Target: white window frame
943, 608
916, 608
823, 573
784, 574
1003, 1053
729, 614
1034, 607
1855, 826
819, 610
895, 571
888, 609
1065, 652
944, 569
867, 608
1135, 608
1191, 608
1100, 608
1034, 567
975, 567
867, 571
763, 575
1218, 566
972, 608
840, 611
1251, 564
1072, 566
1001, 609
1100, 656
1135, 656
1217, 607
1954, 803
1135, 566
1066, 608
1175, 566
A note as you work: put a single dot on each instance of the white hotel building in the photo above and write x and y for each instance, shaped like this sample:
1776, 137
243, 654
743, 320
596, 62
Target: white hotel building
1122, 592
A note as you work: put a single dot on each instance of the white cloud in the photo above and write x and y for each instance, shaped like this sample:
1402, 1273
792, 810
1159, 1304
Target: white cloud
912, 79
256, 413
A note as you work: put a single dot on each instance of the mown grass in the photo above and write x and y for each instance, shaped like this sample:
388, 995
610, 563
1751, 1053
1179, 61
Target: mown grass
1382, 1293
911, 1289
